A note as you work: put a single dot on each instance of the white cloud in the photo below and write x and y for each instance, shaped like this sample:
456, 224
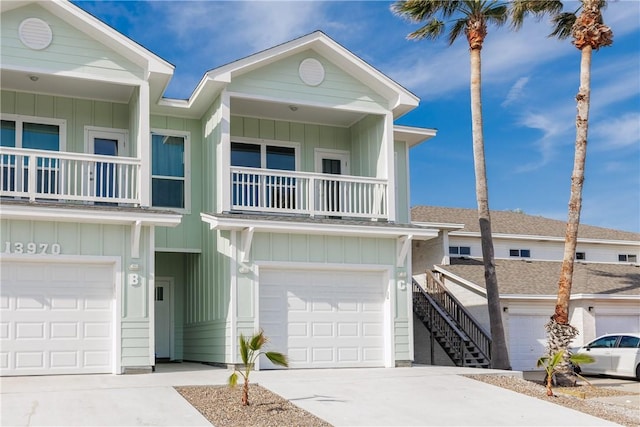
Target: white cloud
552, 129
516, 91
617, 133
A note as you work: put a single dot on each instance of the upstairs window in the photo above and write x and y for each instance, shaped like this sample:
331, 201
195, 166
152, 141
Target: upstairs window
581, 256
520, 253
32, 132
169, 188
459, 250
263, 156
627, 258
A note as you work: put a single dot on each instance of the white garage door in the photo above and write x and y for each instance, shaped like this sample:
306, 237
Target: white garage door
323, 319
527, 340
56, 318
612, 324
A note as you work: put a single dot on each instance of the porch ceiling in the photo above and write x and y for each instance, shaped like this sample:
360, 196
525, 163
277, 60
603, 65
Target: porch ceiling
64, 86
285, 111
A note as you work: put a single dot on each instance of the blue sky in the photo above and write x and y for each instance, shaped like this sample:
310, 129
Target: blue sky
529, 87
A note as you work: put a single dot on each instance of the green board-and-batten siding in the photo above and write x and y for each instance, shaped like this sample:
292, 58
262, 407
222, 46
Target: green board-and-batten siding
70, 50
281, 80
77, 113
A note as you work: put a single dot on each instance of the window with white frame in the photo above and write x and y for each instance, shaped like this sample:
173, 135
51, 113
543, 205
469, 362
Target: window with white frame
627, 258
34, 133
460, 250
265, 155
581, 256
520, 253
169, 169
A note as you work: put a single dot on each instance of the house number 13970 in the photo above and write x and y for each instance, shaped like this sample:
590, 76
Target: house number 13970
31, 248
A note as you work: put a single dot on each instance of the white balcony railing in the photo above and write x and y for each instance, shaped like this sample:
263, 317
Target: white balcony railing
277, 191
64, 176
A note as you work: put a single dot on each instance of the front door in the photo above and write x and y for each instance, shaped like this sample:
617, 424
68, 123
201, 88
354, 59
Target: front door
162, 321
103, 175
332, 192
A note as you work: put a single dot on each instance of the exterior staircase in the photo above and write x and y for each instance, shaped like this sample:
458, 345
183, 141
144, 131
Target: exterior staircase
451, 326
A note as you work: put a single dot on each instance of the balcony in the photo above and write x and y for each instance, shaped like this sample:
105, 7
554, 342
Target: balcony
311, 194
62, 176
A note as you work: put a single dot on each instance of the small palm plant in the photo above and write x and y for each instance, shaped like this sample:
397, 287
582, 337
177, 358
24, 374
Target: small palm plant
250, 350
551, 363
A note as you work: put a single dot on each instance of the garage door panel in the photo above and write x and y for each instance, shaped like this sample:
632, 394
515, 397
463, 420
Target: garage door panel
332, 319
57, 318
613, 324
527, 340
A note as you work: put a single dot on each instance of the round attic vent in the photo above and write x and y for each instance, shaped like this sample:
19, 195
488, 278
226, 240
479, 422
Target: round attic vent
311, 72
35, 33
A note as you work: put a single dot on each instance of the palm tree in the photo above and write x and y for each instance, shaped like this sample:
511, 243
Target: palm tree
551, 364
586, 27
470, 17
250, 350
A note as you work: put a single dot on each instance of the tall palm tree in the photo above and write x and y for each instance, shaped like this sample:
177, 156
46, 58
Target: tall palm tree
588, 31
470, 17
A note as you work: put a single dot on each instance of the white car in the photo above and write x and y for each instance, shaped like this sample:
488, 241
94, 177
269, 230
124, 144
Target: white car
614, 354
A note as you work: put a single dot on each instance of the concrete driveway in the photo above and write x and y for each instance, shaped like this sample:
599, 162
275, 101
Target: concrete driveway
422, 395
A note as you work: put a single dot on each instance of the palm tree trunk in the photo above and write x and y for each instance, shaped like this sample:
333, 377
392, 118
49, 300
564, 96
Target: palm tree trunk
560, 331
499, 352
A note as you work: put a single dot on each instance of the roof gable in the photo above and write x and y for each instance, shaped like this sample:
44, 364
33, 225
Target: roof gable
519, 277
399, 99
515, 223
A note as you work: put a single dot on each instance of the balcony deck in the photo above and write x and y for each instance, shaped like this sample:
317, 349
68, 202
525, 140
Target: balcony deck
70, 177
311, 194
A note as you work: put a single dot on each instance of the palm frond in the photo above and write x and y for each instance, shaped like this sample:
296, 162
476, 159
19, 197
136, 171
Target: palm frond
562, 24
419, 10
581, 359
496, 14
456, 30
257, 341
432, 30
277, 358
538, 8
233, 379
244, 350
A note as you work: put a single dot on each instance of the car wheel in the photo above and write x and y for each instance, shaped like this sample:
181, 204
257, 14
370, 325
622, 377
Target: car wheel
638, 373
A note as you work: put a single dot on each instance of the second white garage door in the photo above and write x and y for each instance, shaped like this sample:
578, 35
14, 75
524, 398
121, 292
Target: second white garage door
56, 318
324, 319
527, 340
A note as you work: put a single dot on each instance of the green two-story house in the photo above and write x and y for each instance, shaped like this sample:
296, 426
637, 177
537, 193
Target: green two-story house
137, 228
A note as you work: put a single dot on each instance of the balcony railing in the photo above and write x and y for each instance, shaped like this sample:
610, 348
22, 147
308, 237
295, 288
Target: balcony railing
63, 176
278, 191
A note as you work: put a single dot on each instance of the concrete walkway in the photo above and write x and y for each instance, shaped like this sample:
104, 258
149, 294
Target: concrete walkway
422, 395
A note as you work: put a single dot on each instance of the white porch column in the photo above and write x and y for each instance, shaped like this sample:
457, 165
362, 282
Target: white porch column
387, 149
144, 144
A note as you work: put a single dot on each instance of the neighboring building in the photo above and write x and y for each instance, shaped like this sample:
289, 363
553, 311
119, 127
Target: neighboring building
605, 294
137, 227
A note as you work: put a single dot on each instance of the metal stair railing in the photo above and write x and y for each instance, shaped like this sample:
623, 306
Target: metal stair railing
451, 338
436, 289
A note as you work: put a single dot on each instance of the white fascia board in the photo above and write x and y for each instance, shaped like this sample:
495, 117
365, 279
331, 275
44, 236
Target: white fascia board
400, 99
576, 297
194, 107
270, 226
412, 135
91, 25
466, 282
545, 238
439, 225
57, 214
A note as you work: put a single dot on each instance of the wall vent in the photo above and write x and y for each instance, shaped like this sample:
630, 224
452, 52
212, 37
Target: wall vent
35, 33
311, 72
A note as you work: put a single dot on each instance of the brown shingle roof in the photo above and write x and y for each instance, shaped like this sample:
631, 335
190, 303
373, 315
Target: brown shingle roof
541, 277
507, 222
